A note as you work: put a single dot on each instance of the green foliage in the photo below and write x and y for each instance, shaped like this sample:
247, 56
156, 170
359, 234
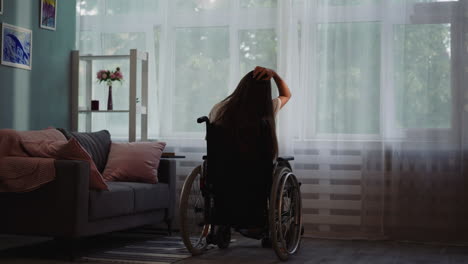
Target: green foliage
201, 75
257, 48
203, 64
422, 76
348, 78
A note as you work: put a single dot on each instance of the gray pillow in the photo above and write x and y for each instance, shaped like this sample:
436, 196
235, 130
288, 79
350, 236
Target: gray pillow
97, 144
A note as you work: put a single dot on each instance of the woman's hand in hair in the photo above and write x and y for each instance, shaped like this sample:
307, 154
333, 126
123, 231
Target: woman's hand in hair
261, 73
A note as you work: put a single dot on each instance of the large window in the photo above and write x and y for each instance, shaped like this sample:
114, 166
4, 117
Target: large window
369, 68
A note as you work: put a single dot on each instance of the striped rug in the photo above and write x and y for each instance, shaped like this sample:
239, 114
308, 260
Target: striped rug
152, 249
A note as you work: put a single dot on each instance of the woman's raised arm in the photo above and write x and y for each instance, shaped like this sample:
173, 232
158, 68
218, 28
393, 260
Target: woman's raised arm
261, 73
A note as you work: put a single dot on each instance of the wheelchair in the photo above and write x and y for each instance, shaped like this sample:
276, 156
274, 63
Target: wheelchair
202, 212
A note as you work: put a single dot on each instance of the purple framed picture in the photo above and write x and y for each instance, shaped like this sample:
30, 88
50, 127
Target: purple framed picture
49, 14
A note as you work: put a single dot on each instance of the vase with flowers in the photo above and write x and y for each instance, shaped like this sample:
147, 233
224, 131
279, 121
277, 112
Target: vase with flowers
109, 77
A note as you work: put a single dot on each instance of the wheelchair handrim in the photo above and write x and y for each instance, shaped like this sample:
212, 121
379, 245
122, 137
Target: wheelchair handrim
290, 249
198, 246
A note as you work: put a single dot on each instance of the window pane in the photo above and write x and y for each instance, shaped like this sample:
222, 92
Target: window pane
115, 123
125, 7
90, 42
200, 5
347, 2
89, 7
348, 81
257, 48
201, 74
121, 43
422, 76
258, 3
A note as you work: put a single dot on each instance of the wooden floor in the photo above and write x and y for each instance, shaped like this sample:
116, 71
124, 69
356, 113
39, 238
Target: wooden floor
316, 251
313, 251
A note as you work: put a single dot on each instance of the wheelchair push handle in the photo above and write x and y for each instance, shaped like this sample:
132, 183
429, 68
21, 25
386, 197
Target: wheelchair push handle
285, 158
203, 119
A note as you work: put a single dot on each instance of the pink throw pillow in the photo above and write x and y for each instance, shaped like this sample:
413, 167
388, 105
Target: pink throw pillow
71, 150
136, 161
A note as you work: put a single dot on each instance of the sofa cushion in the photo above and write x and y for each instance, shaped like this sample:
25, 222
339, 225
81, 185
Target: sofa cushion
125, 198
97, 144
149, 196
119, 200
134, 162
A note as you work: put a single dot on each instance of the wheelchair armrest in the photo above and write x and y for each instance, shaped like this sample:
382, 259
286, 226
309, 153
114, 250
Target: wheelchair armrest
284, 158
205, 157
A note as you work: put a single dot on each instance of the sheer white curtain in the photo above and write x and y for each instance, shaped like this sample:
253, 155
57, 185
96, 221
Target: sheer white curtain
376, 121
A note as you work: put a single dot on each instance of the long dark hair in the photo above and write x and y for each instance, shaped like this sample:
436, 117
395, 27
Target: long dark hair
247, 112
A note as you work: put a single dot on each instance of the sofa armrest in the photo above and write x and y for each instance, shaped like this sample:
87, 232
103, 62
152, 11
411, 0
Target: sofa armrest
167, 174
58, 208
72, 179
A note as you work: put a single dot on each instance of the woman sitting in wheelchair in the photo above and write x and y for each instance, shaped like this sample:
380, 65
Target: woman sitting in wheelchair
243, 184
245, 115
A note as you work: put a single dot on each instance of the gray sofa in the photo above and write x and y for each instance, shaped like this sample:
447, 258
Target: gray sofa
66, 207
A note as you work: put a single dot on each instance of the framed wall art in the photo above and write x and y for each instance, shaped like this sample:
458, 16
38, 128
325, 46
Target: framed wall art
16, 47
48, 14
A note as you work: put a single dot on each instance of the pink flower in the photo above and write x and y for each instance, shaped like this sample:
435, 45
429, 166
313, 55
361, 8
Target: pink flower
104, 75
112, 76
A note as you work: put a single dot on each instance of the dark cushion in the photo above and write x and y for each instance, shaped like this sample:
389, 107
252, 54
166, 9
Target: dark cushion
149, 196
119, 200
97, 144
125, 198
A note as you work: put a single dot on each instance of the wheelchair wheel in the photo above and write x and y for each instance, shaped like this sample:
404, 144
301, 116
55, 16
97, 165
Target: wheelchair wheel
285, 213
193, 227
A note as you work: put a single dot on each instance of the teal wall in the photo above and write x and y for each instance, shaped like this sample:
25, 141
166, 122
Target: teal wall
38, 98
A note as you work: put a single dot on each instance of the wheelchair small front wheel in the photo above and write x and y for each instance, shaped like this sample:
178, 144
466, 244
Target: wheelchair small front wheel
193, 227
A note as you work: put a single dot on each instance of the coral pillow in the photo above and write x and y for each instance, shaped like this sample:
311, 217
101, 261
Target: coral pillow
70, 150
137, 162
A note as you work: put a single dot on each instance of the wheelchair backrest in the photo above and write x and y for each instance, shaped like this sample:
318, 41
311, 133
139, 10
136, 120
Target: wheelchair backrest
230, 149
239, 174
